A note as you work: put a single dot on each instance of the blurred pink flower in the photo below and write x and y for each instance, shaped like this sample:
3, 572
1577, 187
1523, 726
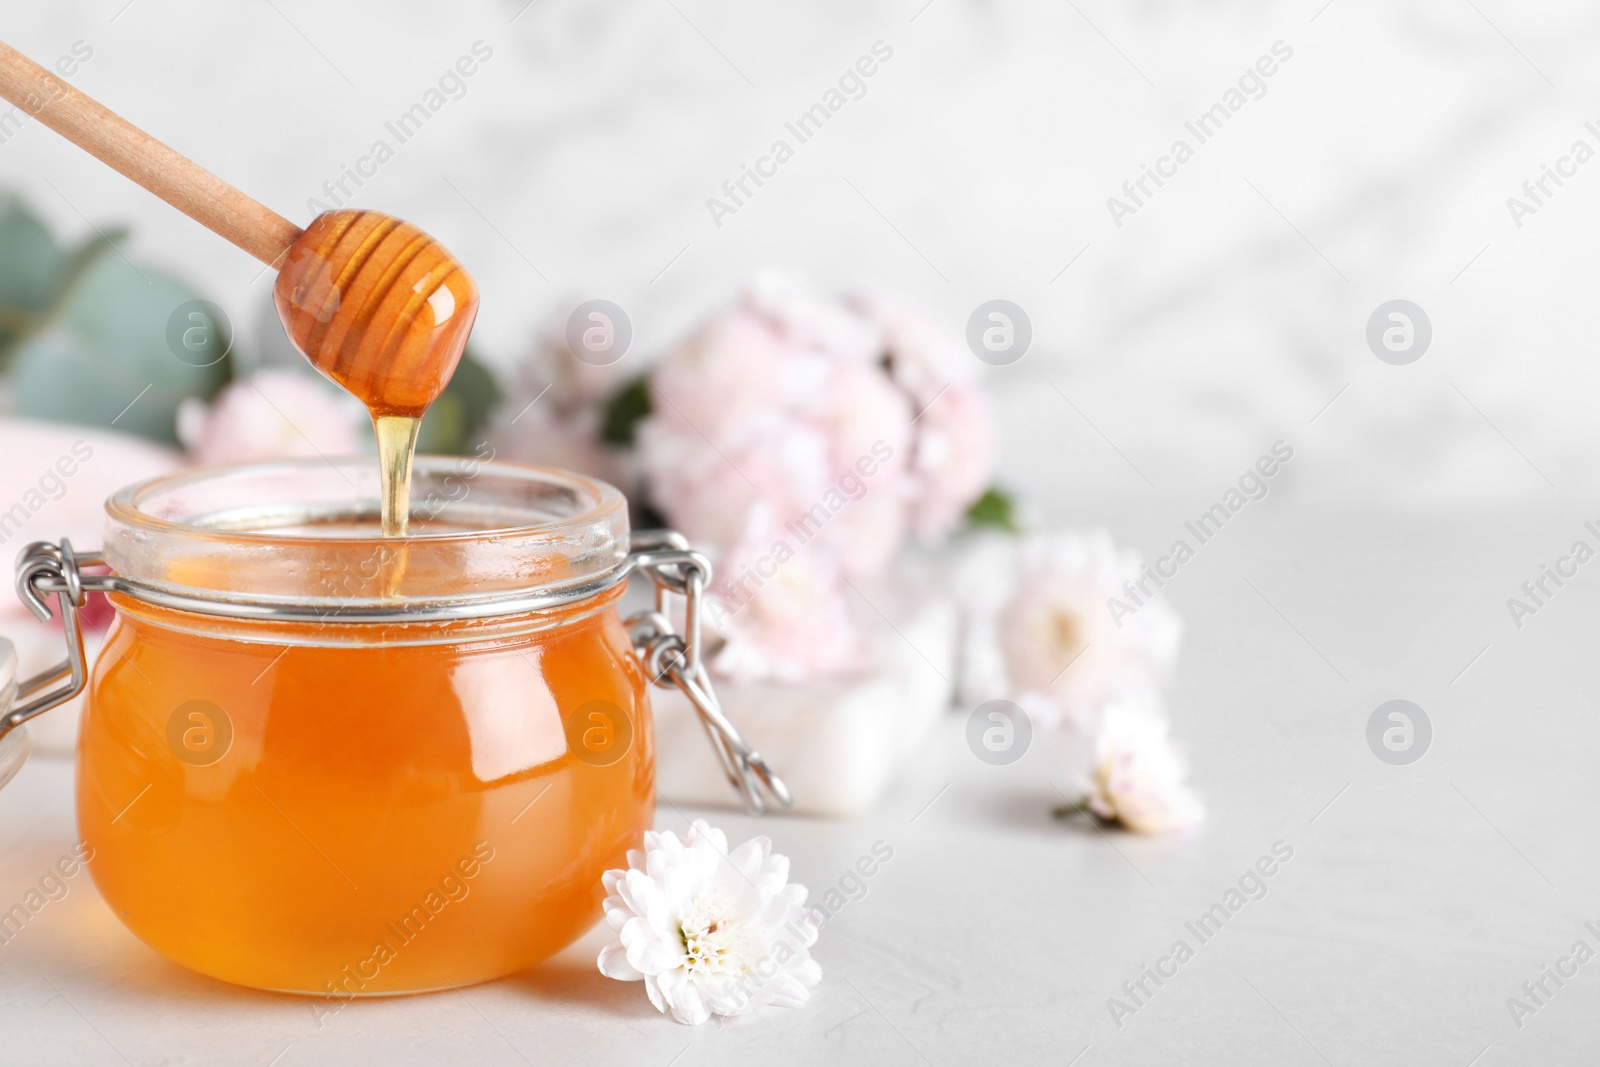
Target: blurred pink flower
1060, 640
791, 417
271, 415
955, 436
806, 319
56, 478
54, 484
783, 615
808, 406
708, 491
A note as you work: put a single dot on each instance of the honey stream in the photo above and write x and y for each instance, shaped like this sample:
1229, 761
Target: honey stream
397, 444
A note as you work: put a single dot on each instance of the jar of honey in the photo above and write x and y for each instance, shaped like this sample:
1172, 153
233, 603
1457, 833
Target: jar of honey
317, 760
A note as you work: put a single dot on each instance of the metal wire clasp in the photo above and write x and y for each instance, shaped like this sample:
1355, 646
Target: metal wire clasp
675, 659
42, 571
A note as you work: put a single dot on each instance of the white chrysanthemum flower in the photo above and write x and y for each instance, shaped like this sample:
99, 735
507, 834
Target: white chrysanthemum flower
1061, 640
1138, 777
708, 931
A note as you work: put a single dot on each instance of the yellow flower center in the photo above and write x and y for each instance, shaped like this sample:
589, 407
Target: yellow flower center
710, 941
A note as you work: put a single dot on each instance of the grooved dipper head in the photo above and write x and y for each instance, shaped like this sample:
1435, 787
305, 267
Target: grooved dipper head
378, 306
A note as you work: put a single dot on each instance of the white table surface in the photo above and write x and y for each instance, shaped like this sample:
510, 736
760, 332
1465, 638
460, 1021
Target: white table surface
1418, 899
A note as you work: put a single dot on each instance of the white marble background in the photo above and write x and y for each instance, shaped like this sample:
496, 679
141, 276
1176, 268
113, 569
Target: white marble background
1224, 315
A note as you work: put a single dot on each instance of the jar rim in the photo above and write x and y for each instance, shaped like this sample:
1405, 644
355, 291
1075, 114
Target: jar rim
301, 537
125, 504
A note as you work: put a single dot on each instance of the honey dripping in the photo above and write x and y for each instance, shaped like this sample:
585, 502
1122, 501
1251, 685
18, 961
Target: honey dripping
397, 444
384, 310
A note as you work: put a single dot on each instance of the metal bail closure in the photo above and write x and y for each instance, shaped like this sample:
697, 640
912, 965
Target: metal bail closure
43, 570
674, 659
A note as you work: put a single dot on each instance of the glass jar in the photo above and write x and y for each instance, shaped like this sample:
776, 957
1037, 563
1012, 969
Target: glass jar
317, 761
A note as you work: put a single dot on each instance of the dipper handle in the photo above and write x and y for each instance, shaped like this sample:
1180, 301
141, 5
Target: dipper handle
123, 146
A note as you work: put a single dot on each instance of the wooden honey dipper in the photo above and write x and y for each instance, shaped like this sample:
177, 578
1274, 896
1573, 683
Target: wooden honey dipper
373, 302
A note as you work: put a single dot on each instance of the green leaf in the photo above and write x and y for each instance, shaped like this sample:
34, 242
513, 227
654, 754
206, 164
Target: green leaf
627, 408
31, 268
444, 429
995, 508
456, 423
102, 357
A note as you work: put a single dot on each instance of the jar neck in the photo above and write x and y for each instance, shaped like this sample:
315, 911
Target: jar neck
334, 632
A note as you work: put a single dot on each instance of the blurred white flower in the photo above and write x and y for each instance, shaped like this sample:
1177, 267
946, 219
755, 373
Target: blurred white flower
554, 411
1137, 778
981, 578
710, 932
547, 438
1059, 638
576, 382
271, 415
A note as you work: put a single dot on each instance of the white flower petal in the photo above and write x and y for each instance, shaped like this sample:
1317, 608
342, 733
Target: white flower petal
689, 1008
749, 858
614, 964
702, 831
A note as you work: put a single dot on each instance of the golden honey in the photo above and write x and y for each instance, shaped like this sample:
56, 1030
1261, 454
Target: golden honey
410, 812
